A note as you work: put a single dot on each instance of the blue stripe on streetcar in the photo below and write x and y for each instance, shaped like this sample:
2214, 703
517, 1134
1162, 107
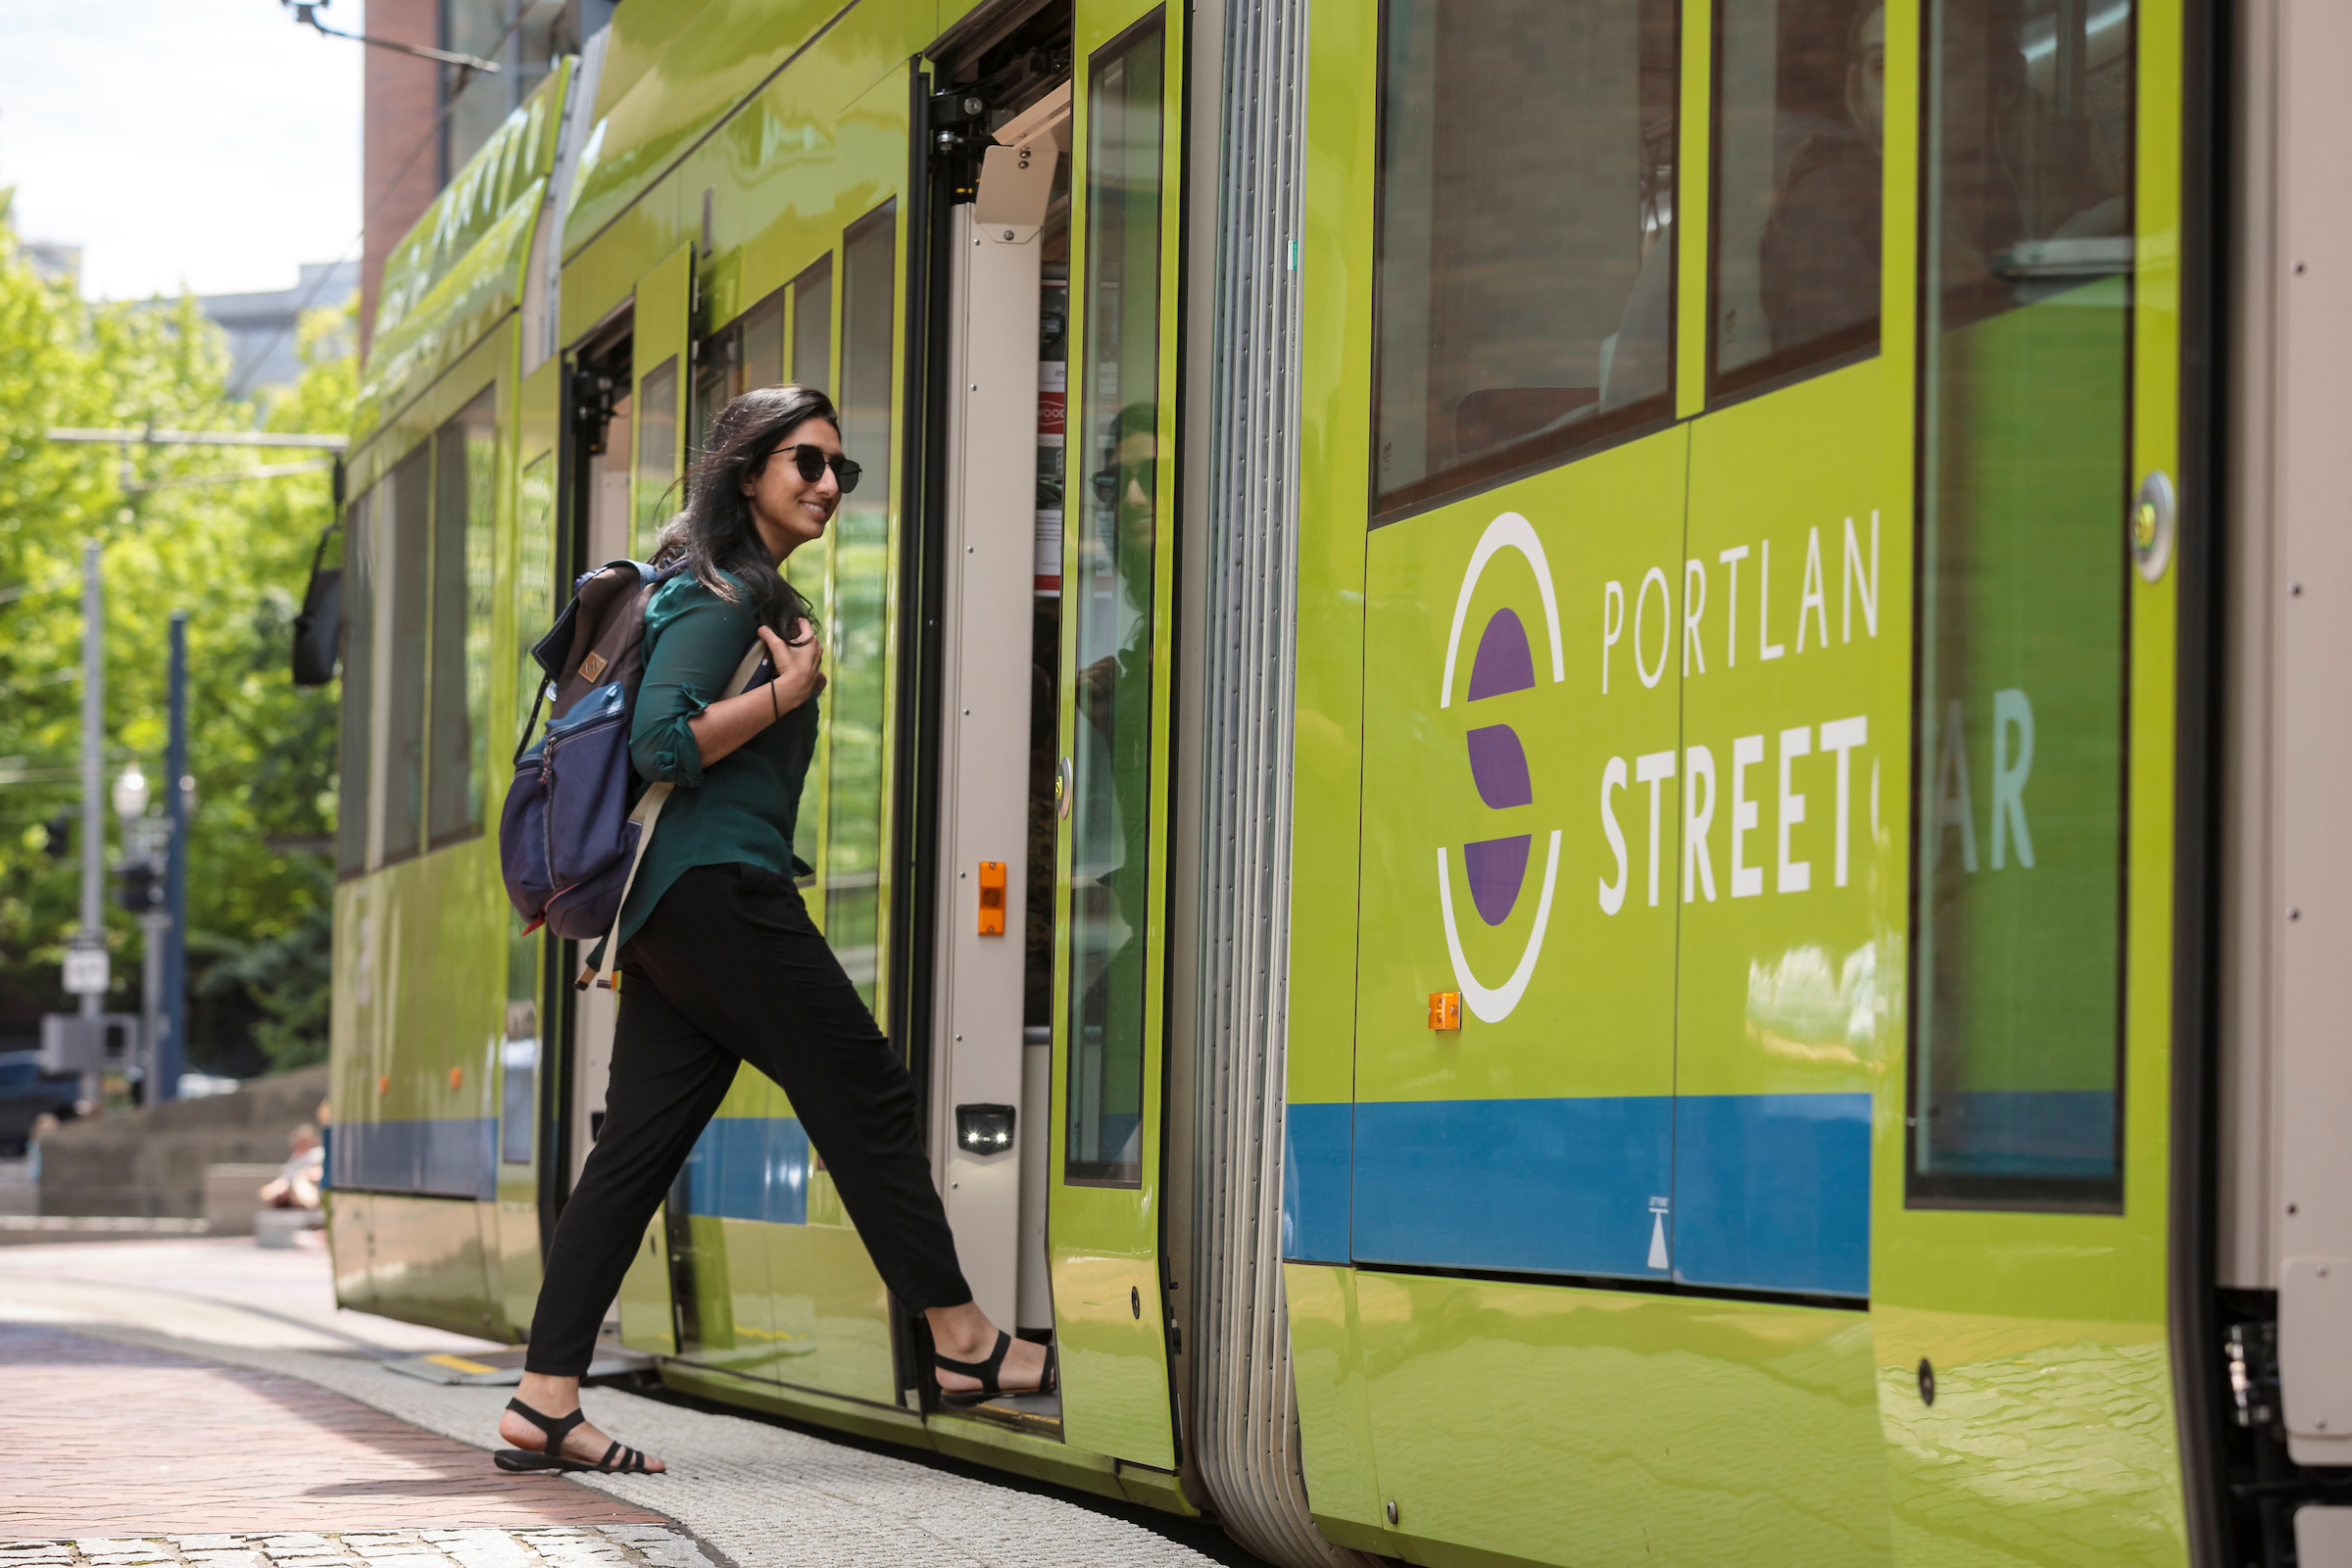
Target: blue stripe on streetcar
1771, 1191
1314, 1181
434, 1158
751, 1167
1511, 1185
1745, 1192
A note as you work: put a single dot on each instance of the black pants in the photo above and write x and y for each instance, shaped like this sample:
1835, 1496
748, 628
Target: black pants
729, 970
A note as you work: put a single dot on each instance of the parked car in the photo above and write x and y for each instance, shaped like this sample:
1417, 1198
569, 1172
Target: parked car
25, 1092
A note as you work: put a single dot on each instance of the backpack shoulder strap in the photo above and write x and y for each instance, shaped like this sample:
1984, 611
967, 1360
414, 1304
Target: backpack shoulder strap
648, 813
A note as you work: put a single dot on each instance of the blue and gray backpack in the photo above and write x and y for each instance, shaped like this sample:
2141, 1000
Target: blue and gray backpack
569, 839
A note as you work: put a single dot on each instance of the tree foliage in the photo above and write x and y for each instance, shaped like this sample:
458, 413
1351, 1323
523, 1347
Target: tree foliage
235, 555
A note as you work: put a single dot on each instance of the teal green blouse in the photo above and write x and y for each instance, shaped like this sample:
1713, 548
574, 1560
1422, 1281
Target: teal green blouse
744, 806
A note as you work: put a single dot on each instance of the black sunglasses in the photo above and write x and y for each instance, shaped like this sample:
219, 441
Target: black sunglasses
812, 460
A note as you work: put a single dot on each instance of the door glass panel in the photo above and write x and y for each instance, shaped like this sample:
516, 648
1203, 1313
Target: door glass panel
359, 685
1111, 817
811, 310
1516, 135
813, 325
657, 453
2025, 373
406, 563
762, 356
860, 609
1800, 114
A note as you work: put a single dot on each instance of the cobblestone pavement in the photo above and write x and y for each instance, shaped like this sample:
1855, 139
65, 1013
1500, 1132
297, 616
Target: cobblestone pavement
755, 1494
637, 1545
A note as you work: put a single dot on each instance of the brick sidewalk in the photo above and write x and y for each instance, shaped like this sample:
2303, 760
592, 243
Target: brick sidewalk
113, 1440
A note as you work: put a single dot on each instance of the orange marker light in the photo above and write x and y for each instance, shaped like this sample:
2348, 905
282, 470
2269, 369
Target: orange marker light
992, 897
383, 1083
1445, 1010
457, 1076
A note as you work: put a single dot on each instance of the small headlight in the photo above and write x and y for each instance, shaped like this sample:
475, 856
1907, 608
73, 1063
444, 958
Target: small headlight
984, 1129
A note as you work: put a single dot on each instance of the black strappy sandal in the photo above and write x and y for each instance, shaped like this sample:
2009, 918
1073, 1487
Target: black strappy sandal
986, 1371
618, 1460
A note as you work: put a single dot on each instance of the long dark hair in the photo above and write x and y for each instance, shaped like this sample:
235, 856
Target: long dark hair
715, 537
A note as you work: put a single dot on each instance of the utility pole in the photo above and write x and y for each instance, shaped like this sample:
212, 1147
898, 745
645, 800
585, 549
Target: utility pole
171, 1052
93, 804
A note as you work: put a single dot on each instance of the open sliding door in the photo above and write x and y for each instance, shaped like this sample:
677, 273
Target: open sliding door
1118, 574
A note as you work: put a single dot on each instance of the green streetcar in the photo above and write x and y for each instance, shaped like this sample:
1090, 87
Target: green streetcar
1535, 738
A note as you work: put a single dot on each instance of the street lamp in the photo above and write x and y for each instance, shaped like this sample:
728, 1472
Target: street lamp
144, 840
130, 794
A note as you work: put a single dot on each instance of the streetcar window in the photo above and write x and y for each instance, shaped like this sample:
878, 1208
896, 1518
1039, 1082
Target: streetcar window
2025, 379
534, 577
811, 361
464, 588
1801, 108
1111, 598
763, 355
354, 774
407, 559
717, 379
1526, 235
859, 612
656, 456
813, 325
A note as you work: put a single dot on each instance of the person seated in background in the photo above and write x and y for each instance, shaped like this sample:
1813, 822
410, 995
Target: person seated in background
1820, 255
296, 1185
42, 1126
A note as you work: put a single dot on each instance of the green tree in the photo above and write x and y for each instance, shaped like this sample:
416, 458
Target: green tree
235, 555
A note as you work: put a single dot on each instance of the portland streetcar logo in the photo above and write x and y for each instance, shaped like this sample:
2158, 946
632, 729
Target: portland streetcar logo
1495, 868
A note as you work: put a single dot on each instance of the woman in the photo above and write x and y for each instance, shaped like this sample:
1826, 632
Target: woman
720, 963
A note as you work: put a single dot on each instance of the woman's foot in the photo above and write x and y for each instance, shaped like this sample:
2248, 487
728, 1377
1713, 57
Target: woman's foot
965, 1334
555, 1398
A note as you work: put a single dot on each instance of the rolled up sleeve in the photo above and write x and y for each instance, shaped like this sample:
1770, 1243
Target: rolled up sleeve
695, 652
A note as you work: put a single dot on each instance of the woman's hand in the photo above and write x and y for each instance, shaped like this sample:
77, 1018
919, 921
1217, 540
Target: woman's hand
799, 664
727, 725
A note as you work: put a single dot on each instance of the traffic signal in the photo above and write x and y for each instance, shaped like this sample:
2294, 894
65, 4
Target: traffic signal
138, 887
60, 829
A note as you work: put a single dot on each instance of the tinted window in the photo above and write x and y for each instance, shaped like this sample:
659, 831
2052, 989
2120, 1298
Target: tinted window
813, 325
1800, 92
656, 454
353, 776
2017, 1080
1526, 234
464, 587
407, 559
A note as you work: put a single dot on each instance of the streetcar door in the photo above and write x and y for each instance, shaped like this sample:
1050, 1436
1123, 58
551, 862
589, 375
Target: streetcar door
632, 486
1008, 253
1117, 574
2020, 1230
